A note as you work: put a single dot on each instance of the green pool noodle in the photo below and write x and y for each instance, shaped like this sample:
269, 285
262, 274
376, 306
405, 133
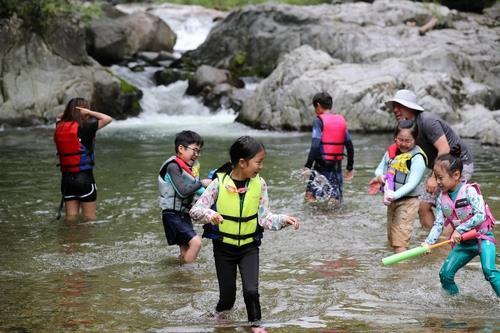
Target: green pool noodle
404, 255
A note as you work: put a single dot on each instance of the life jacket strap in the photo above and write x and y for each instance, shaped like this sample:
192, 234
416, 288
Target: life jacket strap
65, 167
239, 219
334, 143
77, 153
482, 236
184, 213
237, 237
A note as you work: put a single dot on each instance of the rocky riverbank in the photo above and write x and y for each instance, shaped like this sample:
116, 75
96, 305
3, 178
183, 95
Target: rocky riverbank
359, 52
362, 53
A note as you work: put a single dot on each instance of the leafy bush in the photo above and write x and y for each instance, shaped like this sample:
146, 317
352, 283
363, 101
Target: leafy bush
88, 11
36, 14
231, 4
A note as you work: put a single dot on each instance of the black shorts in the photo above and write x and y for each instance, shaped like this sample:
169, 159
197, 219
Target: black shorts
79, 186
178, 228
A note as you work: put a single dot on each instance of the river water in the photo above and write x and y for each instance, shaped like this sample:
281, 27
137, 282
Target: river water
117, 274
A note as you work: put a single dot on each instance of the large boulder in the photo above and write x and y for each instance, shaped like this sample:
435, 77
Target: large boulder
283, 100
111, 40
250, 40
41, 73
378, 49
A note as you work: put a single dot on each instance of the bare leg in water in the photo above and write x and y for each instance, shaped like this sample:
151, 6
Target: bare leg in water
189, 252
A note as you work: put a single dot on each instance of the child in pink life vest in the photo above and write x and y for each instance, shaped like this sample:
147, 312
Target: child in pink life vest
461, 205
401, 174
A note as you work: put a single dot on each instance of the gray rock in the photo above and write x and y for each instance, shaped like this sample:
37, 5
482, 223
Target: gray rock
207, 77
111, 40
378, 50
41, 74
480, 123
283, 100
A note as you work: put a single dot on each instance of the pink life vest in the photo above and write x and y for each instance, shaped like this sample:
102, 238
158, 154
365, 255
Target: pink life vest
460, 211
333, 136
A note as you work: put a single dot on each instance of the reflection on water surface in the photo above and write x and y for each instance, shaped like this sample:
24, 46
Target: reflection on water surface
117, 274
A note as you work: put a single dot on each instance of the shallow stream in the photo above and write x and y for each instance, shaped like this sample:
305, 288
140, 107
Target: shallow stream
118, 275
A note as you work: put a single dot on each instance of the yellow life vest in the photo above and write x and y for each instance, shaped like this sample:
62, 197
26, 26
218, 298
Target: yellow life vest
400, 166
240, 224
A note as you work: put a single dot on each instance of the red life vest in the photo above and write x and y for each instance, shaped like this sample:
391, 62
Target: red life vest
333, 136
73, 155
184, 166
460, 211
392, 151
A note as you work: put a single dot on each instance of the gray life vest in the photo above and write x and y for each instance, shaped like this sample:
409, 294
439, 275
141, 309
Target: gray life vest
401, 165
170, 198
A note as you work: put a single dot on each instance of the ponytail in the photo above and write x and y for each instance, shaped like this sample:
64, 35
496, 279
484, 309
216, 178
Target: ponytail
451, 161
224, 168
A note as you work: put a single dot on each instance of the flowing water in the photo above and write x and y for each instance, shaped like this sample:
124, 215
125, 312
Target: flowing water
117, 274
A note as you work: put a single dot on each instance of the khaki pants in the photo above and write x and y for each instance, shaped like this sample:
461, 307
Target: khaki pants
400, 217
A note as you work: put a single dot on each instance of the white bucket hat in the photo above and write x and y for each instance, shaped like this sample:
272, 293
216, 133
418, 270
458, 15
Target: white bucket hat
406, 98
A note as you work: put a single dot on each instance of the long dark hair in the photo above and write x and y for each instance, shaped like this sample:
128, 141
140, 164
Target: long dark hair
73, 114
451, 161
245, 147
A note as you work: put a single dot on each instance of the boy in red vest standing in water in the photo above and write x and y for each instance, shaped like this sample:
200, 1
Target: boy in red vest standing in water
329, 137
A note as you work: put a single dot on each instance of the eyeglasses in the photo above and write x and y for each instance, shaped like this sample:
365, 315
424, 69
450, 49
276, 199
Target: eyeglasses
194, 150
407, 141
233, 189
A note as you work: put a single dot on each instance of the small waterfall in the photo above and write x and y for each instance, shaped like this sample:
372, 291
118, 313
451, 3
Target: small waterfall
166, 109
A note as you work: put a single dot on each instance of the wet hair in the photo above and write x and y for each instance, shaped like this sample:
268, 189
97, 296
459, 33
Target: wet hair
451, 162
407, 124
186, 138
71, 113
245, 147
324, 99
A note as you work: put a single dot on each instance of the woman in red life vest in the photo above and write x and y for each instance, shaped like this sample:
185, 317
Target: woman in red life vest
74, 137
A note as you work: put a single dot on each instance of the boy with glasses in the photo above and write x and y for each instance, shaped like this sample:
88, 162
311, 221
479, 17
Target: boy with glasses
179, 183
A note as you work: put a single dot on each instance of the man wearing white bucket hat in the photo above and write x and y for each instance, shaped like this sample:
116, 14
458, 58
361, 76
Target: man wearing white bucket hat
435, 137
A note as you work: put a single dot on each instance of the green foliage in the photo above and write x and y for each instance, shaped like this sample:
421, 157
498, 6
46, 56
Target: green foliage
36, 14
239, 58
231, 4
126, 87
88, 12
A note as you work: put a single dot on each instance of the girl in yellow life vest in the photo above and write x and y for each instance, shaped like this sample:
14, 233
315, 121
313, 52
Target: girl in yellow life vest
234, 210
401, 173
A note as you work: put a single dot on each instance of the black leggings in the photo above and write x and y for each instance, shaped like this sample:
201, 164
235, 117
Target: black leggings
246, 258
